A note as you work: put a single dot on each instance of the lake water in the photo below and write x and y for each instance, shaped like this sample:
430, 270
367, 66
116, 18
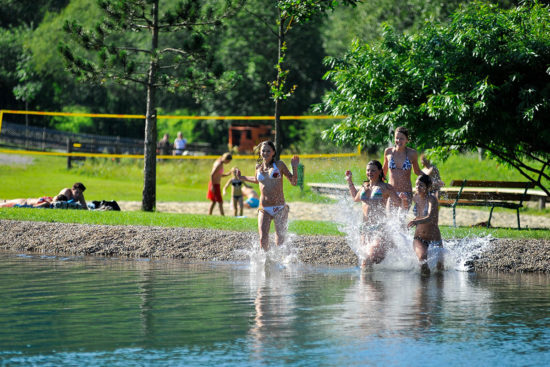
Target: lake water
106, 312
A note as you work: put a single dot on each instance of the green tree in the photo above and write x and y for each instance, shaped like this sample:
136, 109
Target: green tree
290, 13
362, 23
481, 81
128, 46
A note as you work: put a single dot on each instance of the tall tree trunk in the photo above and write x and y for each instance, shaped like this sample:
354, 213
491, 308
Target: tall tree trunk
278, 100
150, 159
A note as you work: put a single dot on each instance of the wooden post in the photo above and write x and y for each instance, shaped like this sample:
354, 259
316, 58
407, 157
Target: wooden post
69, 150
300, 181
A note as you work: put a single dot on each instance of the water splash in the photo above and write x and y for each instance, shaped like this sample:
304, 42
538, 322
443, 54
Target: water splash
283, 256
456, 254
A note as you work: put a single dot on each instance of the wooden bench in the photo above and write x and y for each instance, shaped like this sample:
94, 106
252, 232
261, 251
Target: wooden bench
494, 194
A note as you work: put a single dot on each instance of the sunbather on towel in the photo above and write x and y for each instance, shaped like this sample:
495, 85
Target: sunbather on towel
42, 202
75, 193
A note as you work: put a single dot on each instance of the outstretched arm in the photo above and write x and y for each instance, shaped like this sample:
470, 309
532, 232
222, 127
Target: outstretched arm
225, 186
252, 179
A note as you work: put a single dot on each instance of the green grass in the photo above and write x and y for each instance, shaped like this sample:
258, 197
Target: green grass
123, 180
299, 227
182, 181
187, 180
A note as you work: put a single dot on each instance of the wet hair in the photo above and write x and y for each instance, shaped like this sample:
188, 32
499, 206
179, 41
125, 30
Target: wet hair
403, 130
80, 186
379, 166
259, 148
426, 180
227, 157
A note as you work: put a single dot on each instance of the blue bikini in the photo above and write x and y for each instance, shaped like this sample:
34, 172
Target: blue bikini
407, 165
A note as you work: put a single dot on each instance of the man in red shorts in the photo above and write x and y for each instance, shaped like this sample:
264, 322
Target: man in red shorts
214, 185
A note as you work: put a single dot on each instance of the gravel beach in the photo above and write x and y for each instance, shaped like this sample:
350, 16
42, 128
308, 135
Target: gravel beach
192, 244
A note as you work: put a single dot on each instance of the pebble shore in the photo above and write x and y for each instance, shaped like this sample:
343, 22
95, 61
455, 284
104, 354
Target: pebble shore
194, 244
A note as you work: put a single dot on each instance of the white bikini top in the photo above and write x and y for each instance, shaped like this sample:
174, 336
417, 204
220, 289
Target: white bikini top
275, 173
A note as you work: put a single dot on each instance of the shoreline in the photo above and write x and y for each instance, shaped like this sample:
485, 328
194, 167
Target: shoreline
198, 244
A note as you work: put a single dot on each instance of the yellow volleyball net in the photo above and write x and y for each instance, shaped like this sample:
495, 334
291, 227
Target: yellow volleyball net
69, 153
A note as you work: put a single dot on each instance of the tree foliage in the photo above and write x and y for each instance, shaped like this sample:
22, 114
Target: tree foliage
129, 46
482, 81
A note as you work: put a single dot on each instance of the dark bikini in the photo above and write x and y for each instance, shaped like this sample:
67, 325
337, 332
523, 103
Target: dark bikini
437, 243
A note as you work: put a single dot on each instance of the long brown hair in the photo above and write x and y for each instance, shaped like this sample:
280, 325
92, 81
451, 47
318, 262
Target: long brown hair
378, 165
259, 149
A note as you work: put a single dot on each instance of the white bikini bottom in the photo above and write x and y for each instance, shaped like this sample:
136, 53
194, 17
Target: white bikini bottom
272, 210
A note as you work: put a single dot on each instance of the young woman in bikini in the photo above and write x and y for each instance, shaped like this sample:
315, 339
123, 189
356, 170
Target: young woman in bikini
269, 176
399, 160
373, 195
426, 212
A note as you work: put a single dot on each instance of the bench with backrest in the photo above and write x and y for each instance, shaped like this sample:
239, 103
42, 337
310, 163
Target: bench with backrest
494, 194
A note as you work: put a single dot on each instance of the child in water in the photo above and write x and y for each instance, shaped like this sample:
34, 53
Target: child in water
426, 211
373, 195
236, 191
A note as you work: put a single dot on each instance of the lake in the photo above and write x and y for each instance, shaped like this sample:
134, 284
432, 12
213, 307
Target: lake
113, 312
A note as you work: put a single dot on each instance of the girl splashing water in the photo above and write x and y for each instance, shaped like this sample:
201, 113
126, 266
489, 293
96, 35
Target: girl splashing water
373, 195
269, 176
426, 212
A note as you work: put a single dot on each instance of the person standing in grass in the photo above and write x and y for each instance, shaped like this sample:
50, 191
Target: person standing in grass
269, 175
236, 191
214, 185
179, 144
427, 234
400, 161
164, 147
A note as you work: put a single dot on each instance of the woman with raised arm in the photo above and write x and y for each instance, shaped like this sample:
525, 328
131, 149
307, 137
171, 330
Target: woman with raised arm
373, 195
400, 160
269, 176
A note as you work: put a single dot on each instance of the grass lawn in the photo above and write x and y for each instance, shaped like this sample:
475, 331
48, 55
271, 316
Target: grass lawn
187, 180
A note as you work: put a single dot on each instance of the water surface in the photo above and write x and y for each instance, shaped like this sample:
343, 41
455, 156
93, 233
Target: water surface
108, 312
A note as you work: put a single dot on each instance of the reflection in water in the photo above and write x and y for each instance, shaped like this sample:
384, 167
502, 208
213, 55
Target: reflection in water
111, 312
146, 287
273, 289
390, 303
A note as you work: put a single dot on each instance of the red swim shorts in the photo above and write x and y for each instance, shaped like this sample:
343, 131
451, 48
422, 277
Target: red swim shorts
215, 196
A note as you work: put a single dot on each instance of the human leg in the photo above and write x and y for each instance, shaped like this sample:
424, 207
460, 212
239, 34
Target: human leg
376, 251
235, 205
264, 222
421, 249
281, 225
240, 202
212, 205
220, 205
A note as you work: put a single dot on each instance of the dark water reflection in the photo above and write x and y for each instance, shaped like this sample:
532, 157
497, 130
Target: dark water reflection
81, 311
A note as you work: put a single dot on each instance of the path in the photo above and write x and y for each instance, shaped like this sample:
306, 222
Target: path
310, 211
